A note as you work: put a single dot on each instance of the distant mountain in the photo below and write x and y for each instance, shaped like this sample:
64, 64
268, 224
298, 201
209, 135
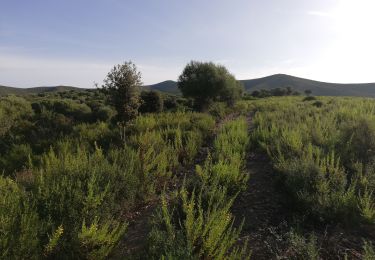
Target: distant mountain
274, 81
168, 86
4, 90
318, 88
281, 81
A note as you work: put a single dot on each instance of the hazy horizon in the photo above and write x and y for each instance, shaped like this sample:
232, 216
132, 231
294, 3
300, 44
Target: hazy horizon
49, 43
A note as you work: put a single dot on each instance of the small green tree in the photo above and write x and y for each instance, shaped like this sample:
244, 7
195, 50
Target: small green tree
206, 82
123, 84
152, 101
308, 92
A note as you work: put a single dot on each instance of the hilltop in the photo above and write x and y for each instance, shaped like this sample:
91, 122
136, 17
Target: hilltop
318, 88
5, 90
299, 84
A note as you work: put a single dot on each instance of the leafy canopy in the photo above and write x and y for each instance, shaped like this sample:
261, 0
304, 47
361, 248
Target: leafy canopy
123, 85
206, 82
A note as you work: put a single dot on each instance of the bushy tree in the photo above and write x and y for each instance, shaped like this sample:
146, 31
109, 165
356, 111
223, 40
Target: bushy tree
123, 84
206, 82
152, 101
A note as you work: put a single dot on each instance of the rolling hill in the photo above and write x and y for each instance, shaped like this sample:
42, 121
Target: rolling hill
300, 84
168, 86
4, 90
318, 88
274, 81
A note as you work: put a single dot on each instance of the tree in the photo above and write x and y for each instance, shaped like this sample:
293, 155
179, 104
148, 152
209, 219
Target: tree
289, 91
308, 92
123, 85
206, 82
152, 101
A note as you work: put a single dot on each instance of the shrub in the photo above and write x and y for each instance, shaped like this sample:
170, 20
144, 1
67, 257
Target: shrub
104, 113
309, 98
366, 204
20, 226
206, 82
324, 156
226, 168
157, 158
196, 229
300, 247
152, 102
16, 158
218, 110
358, 140
122, 84
67, 107
318, 103
13, 110
368, 251
73, 187
90, 134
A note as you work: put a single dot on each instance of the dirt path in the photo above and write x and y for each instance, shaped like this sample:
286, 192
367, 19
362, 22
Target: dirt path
135, 238
261, 204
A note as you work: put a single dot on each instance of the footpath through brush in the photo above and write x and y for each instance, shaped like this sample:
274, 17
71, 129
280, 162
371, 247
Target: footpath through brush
261, 204
135, 239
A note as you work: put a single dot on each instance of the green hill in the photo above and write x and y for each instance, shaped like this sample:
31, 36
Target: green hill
318, 88
4, 90
274, 81
300, 84
168, 86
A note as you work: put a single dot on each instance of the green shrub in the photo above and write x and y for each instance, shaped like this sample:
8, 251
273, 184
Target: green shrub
20, 226
16, 158
157, 159
358, 140
104, 113
226, 168
97, 241
12, 110
302, 248
218, 110
318, 103
368, 251
152, 102
325, 156
73, 186
309, 98
196, 229
98, 133
191, 143
366, 204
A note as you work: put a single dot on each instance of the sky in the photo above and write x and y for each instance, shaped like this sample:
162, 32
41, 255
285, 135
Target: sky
77, 42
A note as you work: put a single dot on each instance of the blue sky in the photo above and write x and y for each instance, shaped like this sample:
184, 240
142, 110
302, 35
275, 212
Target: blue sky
77, 42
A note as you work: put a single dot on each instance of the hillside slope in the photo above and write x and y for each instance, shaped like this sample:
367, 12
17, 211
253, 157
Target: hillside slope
270, 82
317, 87
300, 84
168, 86
4, 90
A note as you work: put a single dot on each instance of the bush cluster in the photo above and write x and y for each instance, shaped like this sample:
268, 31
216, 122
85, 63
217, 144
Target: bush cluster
324, 154
196, 222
